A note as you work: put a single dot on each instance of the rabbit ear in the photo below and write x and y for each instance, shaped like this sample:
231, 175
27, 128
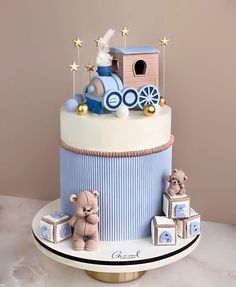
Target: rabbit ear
73, 197
94, 193
108, 36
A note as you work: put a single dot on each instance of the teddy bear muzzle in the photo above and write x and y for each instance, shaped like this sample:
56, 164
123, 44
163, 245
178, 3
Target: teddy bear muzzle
86, 211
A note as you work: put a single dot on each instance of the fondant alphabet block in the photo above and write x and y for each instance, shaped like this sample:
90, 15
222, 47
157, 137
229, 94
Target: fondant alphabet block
176, 206
55, 227
163, 231
189, 227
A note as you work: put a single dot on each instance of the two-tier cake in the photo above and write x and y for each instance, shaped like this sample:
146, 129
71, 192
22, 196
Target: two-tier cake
116, 139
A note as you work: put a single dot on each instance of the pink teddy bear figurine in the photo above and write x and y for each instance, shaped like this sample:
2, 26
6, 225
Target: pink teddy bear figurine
85, 221
176, 180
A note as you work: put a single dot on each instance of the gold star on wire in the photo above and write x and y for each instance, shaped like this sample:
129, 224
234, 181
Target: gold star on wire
124, 31
97, 41
74, 67
78, 43
164, 41
89, 67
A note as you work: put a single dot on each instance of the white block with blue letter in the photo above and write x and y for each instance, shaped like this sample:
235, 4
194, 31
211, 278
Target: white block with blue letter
55, 227
163, 231
189, 227
177, 206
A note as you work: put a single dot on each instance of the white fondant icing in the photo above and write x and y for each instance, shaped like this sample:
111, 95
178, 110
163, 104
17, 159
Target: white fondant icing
178, 196
163, 220
152, 232
193, 212
54, 219
179, 225
109, 133
165, 205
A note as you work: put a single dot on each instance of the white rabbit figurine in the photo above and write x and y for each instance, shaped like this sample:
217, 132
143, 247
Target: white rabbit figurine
103, 57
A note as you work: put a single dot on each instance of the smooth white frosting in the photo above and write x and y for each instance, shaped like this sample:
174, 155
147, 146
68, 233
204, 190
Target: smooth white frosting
109, 133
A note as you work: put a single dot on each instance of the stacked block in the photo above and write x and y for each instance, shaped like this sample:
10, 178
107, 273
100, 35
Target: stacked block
55, 227
176, 206
163, 231
189, 227
180, 219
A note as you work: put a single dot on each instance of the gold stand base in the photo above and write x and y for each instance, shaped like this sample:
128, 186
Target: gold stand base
116, 277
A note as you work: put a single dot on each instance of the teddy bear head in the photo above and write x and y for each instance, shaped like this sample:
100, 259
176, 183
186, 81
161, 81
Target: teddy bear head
85, 203
177, 177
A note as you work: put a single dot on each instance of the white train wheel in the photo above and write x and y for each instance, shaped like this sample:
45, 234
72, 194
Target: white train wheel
112, 100
130, 97
148, 94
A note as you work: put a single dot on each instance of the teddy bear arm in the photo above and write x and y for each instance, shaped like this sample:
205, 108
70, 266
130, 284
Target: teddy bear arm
171, 191
93, 219
182, 191
72, 221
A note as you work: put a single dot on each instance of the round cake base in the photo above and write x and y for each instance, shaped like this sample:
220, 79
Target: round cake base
122, 261
115, 277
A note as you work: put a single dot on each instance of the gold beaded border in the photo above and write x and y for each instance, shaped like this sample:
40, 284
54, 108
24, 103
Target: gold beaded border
118, 154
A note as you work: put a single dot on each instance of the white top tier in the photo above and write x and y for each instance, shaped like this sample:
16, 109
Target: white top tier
111, 134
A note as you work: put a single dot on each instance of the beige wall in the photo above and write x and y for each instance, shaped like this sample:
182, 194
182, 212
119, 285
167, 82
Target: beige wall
36, 48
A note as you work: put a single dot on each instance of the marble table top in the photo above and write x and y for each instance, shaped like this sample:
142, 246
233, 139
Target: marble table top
213, 263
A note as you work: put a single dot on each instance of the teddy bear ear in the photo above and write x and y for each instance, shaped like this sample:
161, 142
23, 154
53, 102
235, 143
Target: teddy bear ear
175, 170
185, 177
94, 193
73, 197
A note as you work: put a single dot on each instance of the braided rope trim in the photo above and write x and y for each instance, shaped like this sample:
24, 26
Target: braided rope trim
118, 154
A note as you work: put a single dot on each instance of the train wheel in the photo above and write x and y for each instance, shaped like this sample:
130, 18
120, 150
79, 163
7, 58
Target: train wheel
148, 94
130, 97
112, 100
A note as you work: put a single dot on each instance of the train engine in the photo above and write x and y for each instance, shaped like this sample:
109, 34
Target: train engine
130, 80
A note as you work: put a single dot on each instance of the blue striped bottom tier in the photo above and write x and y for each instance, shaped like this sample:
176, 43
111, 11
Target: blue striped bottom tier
130, 189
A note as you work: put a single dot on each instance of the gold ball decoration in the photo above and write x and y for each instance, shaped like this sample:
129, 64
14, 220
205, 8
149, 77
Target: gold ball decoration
82, 109
149, 110
162, 102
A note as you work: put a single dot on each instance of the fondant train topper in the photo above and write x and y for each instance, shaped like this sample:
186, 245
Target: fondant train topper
126, 77
85, 221
176, 182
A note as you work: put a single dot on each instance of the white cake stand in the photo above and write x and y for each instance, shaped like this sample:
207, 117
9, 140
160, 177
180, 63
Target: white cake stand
117, 261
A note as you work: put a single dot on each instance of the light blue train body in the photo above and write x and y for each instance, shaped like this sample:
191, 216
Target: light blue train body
108, 91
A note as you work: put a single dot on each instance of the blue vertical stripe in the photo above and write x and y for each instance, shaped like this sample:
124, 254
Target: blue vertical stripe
130, 190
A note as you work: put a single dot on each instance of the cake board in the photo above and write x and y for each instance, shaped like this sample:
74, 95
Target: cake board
122, 261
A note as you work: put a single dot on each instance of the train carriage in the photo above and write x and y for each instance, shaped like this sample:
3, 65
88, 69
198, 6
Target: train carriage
131, 80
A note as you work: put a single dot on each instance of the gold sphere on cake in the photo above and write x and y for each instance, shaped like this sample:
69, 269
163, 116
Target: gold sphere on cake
149, 110
82, 109
162, 102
